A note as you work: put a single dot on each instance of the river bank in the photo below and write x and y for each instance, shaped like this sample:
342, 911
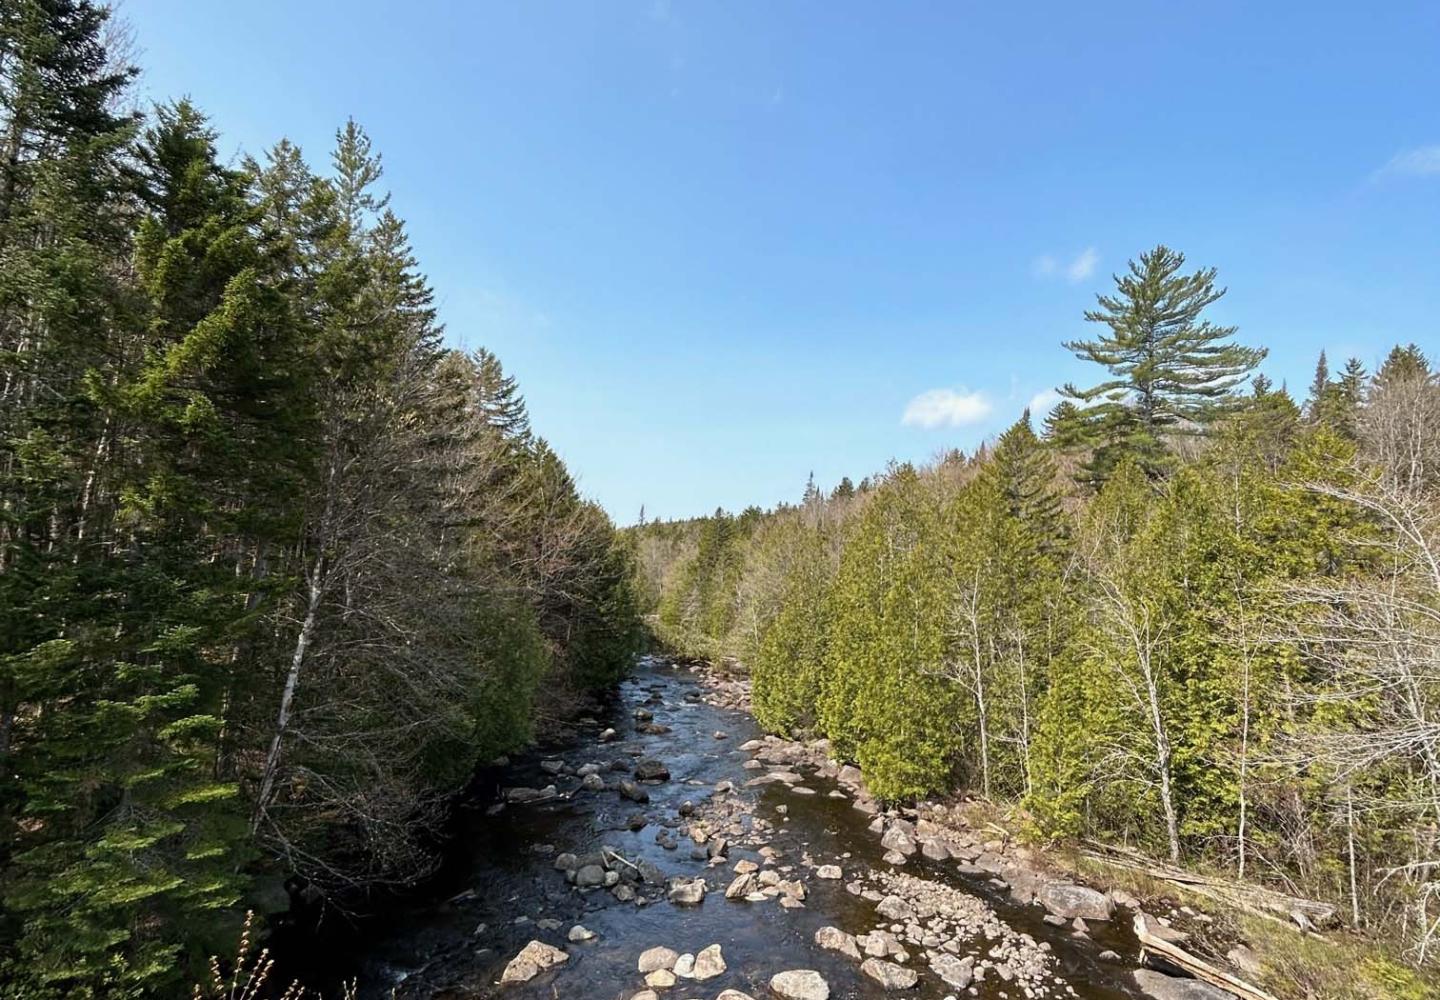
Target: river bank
671, 828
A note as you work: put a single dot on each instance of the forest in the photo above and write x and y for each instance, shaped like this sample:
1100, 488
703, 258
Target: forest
1184, 612
278, 569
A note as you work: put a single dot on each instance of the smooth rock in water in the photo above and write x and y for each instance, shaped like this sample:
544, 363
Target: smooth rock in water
657, 958
661, 979
741, 887
683, 891
652, 770
834, 939
720, 734
633, 792
730, 995
956, 972
745, 866
800, 984
1069, 901
684, 966
894, 858
580, 933
1163, 987
593, 783
565, 862
829, 871
709, 963
645, 995
888, 974
533, 959
898, 839
590, 876
609, 736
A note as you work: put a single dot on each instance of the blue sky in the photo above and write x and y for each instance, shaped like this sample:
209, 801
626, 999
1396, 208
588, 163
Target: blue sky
722, 245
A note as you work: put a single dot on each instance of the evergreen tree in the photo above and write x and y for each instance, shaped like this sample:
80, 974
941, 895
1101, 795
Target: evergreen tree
1172, 372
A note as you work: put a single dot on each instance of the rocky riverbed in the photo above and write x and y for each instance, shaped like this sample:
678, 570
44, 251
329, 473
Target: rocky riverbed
672, 851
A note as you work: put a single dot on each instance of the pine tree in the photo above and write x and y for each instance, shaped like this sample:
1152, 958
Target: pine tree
1172, 372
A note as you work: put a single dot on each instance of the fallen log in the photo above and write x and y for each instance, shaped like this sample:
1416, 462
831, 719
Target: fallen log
1292, 911
1197, 967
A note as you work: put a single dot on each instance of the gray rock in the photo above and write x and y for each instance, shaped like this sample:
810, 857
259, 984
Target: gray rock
895, 908
657, 958
899, 840
1163, 987
633, 792
834, 939
956, 972
709, 963
534, 958
889, 975
590, 876
687, 891
580, 933
652, 770
1067, 900
800, 984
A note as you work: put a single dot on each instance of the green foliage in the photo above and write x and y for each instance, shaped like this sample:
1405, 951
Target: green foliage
277, 570
1171, 371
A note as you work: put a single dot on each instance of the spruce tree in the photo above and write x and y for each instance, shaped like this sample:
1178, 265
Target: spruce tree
1172, 371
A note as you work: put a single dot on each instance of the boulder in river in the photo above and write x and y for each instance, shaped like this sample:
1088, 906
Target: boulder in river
687, 890
534, 958
580, 933
633, 792
800, 984
651, 769
834, 939
657, 958
829, 872
889, 975
709, 963
1065, 899
590, 876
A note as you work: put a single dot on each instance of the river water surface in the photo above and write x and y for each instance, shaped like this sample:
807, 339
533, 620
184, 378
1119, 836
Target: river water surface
500, 888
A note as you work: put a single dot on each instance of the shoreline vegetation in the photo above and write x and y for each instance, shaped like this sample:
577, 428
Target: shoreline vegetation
1186, 615
278, 570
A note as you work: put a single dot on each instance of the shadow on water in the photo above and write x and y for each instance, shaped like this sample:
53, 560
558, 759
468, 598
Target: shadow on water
453, 937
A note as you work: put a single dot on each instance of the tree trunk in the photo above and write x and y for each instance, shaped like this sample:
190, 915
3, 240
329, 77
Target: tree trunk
287, 699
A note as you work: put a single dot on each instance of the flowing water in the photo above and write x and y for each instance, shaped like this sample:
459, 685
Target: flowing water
500, 881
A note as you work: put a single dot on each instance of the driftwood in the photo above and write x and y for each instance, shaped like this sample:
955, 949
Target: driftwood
1180, 958
1292, 911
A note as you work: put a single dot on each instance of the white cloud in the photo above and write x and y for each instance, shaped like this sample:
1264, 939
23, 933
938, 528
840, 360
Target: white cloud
1423, 161
946, 408
1082, 266
1043, 402
1074, 271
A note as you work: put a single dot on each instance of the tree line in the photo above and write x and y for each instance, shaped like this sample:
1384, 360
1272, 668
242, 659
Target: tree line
1188, 613
278, 569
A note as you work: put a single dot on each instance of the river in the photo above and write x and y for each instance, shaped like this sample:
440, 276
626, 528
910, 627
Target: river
500, 887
